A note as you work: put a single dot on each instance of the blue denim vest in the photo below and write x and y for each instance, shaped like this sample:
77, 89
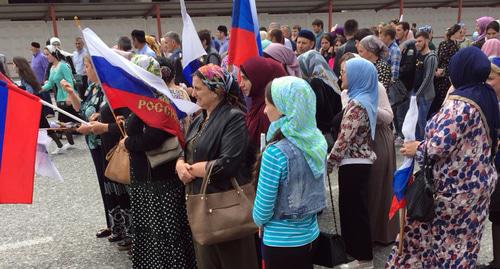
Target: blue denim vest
300, 194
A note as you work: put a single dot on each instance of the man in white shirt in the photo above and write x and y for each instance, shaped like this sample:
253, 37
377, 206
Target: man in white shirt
81, 75
140, 45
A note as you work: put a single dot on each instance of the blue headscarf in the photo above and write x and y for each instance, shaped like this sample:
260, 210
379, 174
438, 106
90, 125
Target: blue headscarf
363, 87
469, 68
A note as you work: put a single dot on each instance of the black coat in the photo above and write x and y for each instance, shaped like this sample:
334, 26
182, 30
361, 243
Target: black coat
142, 138
222, 142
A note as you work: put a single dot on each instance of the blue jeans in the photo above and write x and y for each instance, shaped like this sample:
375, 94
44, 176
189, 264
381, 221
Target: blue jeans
423, 109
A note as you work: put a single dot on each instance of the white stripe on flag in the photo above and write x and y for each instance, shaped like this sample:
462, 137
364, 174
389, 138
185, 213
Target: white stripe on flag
98, 48
192, 48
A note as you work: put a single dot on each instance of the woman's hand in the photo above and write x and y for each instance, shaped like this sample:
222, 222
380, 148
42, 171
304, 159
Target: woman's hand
99, 127
439, 72
85, 129
409, 149
122, 143
182, 169
66, 86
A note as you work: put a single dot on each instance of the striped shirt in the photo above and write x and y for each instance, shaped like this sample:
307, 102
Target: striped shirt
279, 233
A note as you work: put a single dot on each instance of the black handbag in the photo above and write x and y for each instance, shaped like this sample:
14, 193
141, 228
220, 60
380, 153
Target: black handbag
397, 93
330, 247
420, 194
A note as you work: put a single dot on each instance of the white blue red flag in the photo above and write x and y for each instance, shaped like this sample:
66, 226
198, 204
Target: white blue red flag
128, 85
245, 36
192, 49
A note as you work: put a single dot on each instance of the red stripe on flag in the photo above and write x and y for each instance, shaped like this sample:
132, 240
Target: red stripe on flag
154, 112
242, 45
19, 147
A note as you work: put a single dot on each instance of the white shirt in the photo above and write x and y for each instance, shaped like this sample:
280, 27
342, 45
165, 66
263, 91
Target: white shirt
288, 43
78, 61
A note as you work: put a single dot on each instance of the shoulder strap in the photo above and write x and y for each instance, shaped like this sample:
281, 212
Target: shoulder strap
336, 231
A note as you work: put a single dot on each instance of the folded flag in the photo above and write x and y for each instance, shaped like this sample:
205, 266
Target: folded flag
44, 165
128, 85
192, 49
404, 175
245, 36
19, 121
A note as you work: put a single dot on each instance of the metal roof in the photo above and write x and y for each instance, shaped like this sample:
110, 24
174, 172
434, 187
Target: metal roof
41, 11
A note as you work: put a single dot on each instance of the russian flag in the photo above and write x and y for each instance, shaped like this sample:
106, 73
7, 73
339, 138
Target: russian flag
128, 85
19, 122
192, 49
245, 37
404, 174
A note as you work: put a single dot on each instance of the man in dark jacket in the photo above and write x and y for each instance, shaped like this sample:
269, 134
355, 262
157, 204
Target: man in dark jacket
350, 29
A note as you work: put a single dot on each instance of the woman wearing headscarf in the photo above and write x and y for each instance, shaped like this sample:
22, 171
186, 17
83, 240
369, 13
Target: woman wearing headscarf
374, 50
446, 50
460, 140
491, 48
494, 217
380, 190
353, 154
60, 70
256, 73
291, 188
285, 56
162, 238
481, 24
217, 140
323, 81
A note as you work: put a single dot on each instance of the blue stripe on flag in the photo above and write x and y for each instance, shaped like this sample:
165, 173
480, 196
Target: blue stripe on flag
4, 93
242, 15
119, 79
400, 181
189, 70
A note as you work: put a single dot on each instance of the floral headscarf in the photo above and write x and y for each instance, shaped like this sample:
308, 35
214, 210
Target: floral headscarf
147, 63
216, 77
313, 65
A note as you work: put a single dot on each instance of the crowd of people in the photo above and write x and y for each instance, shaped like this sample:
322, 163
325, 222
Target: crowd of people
326, 101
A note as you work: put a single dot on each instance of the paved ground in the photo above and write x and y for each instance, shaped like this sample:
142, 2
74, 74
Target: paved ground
58, 229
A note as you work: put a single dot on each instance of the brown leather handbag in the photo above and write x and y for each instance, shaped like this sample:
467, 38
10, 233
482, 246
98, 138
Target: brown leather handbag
118, 169
223, 216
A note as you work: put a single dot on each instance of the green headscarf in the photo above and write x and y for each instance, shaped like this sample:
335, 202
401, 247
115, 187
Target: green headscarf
295, 99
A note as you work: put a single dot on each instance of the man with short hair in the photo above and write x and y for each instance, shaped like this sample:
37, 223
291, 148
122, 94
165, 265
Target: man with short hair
222, 39
305, 41
171, 45
212, 56
124, 43
81, 74
402, 30
423, 87
274, 25
428, 29
295, 33
317, 26
388, 36
276, 36
287, 34
350, 29
140, 45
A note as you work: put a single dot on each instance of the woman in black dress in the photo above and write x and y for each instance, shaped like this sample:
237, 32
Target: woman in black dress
442, 83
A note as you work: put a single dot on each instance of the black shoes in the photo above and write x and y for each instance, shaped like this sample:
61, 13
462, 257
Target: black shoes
103, 233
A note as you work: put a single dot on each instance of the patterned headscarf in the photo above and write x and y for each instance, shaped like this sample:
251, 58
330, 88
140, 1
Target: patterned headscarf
147, 63
285, 56
298, 123
425, 28
216, 77
313, 65
374, 45
151, 41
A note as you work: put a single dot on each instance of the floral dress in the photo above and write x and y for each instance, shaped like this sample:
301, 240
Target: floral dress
92, 103
446, 50
465, 178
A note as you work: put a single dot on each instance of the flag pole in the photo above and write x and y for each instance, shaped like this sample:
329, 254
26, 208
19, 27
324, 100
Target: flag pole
77, 23
63, 112
402, 218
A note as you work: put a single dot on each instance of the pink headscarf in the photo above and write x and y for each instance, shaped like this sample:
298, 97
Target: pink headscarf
491, 47
482, 23
285, 56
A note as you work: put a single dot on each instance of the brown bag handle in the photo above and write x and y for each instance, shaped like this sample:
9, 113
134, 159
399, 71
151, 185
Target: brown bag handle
206, 178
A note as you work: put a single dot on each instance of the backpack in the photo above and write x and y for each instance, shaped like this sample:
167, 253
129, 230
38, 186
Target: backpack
407, 65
